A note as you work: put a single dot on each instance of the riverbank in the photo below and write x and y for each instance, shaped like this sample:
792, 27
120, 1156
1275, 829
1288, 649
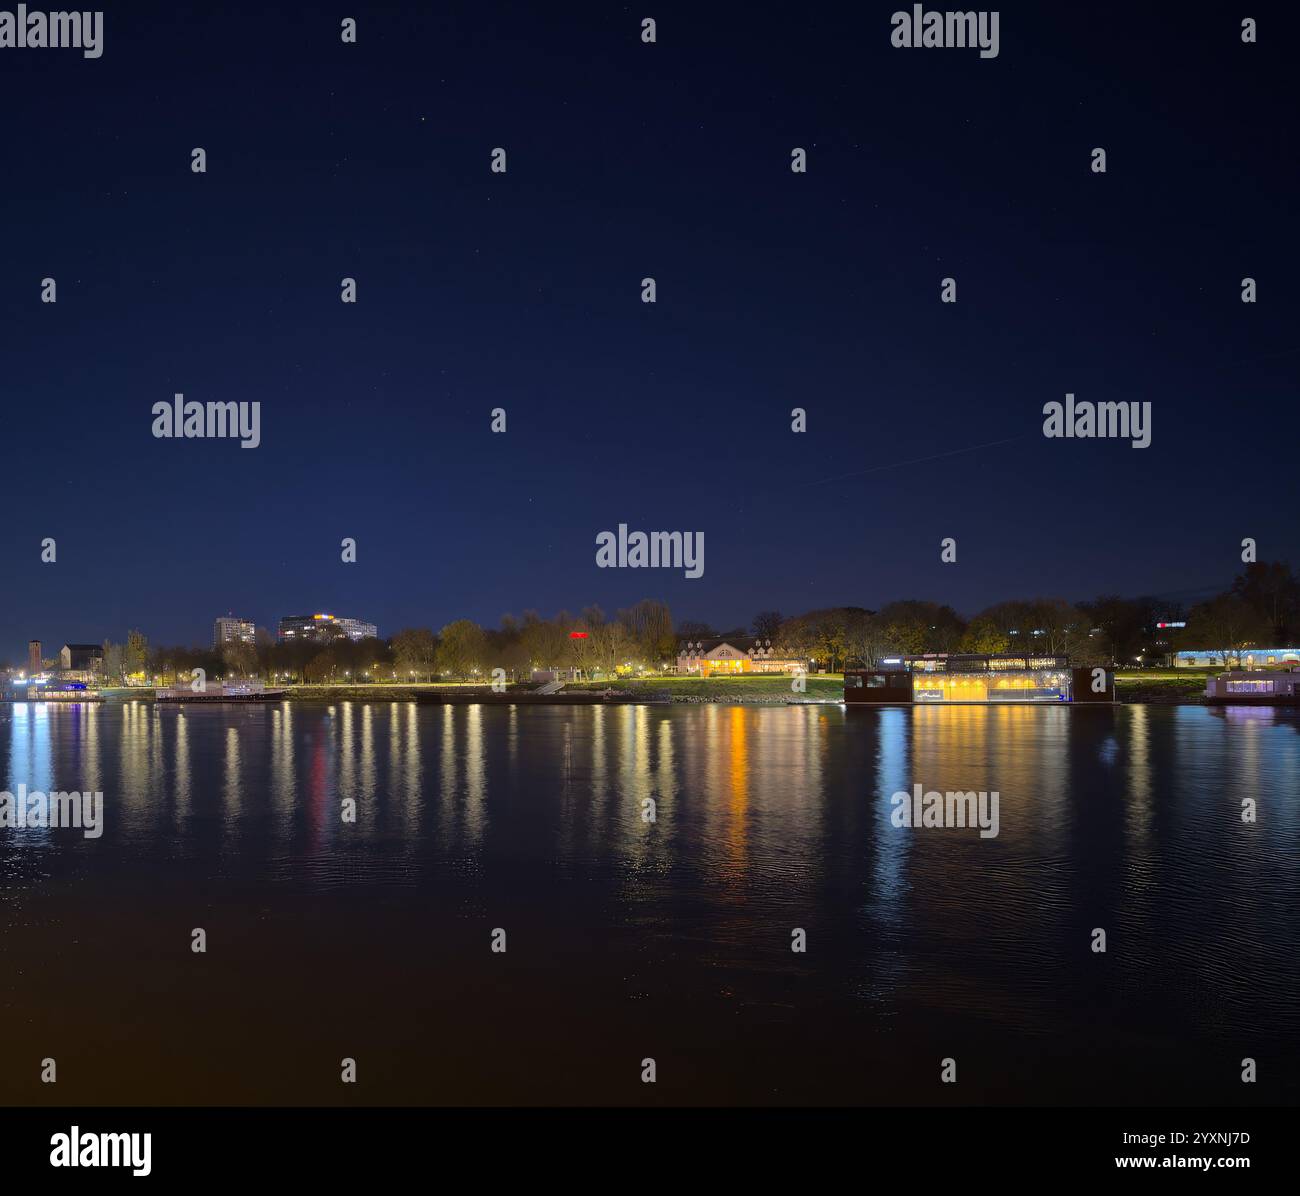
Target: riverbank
760, 690
1138, 686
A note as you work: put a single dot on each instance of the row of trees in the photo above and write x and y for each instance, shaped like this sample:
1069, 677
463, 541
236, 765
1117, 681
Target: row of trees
592, 643
1263, 604
1260, 609
1089, 633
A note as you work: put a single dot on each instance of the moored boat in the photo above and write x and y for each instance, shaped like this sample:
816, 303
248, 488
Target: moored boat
225, 691
1254, 687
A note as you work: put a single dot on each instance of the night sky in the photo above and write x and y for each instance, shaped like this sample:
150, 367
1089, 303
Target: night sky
522, 291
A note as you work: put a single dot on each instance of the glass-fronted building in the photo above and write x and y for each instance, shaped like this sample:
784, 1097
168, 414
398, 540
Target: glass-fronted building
990, 679
980, 679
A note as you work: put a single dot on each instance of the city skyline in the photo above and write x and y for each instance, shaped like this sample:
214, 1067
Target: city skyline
1260, 607
270, 626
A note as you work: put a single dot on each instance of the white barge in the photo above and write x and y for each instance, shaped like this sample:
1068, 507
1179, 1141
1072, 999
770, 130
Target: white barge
224, 691
1254, 687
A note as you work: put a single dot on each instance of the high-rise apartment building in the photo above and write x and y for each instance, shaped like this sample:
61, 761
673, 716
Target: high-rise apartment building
230, 630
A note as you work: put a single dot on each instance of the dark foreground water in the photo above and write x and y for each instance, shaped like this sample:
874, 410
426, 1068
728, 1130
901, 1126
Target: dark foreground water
669, 940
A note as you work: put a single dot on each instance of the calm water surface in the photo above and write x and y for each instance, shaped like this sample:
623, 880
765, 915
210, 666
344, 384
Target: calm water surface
669, 939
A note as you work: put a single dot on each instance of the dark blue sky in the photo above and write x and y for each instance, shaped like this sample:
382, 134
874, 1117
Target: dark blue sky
776, 290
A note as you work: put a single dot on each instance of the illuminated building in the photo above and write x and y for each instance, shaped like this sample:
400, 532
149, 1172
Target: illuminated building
229, 630
977, 679
80, 662
1247, 658
322, 628
723, 658
1243, 687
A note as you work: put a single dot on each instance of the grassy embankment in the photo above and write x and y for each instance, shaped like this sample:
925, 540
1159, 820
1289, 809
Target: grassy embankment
766, 688
401, 691
1162, 687
754, 687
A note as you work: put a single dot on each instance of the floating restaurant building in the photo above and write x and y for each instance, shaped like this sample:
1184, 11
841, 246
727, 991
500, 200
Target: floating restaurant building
48, 688
979, 680
1253, 687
